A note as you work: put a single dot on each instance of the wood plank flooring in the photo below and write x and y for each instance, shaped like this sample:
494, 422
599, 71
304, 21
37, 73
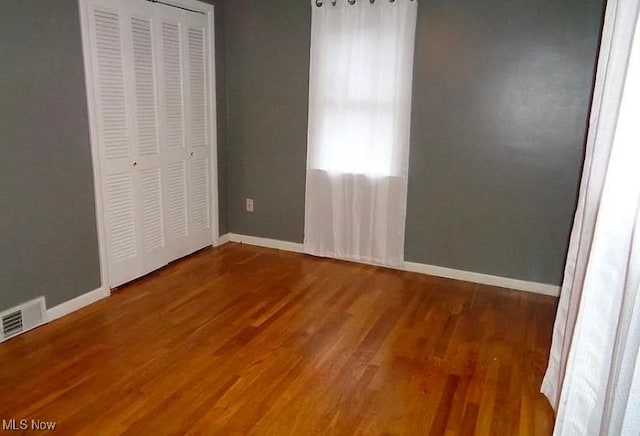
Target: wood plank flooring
244, 340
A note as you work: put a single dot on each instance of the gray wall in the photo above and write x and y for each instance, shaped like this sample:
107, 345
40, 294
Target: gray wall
47, 217
48, 242
501, 95
500, 107
267, 73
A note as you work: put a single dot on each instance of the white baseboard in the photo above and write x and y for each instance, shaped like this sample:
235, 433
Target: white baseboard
432, 270
450, 273
484, 279
223, 239
77, 303
296, 247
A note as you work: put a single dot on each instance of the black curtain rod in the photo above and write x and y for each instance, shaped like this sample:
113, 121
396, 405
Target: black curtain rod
351, 2
176, 6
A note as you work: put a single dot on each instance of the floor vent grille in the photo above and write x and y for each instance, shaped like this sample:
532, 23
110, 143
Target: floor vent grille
12, 324
22, 318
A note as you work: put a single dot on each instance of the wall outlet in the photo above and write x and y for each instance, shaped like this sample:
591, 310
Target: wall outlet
249, 204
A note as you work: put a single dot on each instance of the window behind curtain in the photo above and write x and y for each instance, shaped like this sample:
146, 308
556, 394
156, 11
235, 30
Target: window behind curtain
359, 111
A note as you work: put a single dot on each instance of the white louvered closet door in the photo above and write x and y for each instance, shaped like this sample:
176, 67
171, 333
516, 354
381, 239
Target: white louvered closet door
151, 92
173, 115
113, 113
199, 151
141, 61
185, 108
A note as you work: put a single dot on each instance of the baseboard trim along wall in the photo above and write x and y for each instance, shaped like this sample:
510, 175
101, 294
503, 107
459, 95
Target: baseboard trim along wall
222, 240
503, 282
484, 279
296, 247
76, 304
432, 270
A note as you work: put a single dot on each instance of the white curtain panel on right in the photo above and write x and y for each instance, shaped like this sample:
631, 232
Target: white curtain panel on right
361, 73
593, 375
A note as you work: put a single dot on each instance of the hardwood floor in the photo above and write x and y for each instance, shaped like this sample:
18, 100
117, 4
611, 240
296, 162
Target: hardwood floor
245, 340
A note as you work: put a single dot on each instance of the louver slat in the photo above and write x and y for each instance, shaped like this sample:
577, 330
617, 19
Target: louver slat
172, 64
111, 86
200, 194
177, 199
151, 207
197, 90
145, 87
120, 216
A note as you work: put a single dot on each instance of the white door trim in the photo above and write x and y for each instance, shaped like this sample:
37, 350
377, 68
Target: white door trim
85, 27
93, 139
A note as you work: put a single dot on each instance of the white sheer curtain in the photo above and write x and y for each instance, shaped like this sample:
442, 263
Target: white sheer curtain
593, 377
359, 119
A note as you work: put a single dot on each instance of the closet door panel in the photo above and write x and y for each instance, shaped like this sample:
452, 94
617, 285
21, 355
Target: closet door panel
148, 167
112, 110
198, 138
168, 31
